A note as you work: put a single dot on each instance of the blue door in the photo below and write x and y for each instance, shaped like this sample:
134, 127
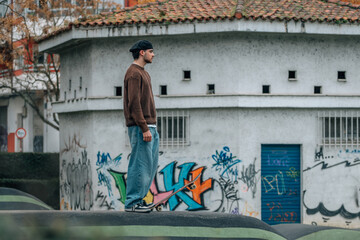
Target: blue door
280, 184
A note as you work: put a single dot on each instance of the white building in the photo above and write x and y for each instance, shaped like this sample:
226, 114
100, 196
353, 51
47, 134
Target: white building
15, 114
264, 104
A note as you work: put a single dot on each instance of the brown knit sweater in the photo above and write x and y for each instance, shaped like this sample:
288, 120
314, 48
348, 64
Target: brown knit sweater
139, 105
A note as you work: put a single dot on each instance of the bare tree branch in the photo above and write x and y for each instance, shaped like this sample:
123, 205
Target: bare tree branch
25, 22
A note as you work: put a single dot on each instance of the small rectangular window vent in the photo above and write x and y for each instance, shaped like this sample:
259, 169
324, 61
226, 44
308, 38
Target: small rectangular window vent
266, 89
163, 90
292, 75
211, 89
317, 90
118, 91
187, 75
341, 76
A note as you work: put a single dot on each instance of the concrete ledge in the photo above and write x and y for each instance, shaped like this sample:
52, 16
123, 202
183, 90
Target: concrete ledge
216, 101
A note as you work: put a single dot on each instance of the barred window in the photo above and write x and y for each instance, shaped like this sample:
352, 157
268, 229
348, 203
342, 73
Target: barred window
339, 128
173, 127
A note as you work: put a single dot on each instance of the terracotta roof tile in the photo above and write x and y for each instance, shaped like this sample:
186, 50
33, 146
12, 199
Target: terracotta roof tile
304, 10
335, 11
169, 11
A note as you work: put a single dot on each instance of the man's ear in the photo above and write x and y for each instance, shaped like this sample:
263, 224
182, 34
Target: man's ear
142, 52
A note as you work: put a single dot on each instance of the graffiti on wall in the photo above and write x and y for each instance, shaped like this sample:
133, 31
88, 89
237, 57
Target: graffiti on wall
187, 172
103, 202
220, 193
248, 176
225, 185
226, 164
106, 173
78, 183
231, 183
274, 182
339, 172
76, 190
278, 214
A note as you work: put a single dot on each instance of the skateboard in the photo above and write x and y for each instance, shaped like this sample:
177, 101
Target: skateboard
158, 205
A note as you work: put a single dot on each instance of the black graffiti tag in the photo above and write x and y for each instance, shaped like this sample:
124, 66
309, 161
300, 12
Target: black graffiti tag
248, 176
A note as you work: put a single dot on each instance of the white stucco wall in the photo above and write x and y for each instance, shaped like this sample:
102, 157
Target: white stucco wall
15, 107
33, 125
236, 63
77, 62
51, 135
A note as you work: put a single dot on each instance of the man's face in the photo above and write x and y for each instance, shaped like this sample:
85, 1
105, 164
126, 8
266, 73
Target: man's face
149, 55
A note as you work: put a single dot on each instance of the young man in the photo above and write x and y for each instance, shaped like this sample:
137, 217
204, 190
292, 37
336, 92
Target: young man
140, 115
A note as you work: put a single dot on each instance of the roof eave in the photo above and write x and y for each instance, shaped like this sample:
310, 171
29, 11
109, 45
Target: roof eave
58, 42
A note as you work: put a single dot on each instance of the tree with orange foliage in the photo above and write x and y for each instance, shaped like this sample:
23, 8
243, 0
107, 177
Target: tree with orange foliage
24, 71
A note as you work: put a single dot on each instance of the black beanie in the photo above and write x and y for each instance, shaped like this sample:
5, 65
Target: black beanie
141, 45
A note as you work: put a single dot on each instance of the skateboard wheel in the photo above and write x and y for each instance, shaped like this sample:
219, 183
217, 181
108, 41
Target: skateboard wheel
159, 208
192, 186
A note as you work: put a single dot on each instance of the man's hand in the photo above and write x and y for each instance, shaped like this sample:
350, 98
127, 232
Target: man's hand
147, 136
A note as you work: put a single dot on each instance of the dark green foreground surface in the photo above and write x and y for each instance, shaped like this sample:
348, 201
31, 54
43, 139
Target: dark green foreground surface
23, 216
155, 225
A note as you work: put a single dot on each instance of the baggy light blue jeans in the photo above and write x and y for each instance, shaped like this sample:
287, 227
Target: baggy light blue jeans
142, 166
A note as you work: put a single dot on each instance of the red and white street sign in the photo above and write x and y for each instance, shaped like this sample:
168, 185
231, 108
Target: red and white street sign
20, 133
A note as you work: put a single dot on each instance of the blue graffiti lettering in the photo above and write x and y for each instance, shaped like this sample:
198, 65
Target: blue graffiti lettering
105, 159
225, 164
104, 163
103, 180
170, 185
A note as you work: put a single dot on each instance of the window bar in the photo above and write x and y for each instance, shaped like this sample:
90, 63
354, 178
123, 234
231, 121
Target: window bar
172, 128
177, 128
329, 135
188, 129
335, 129
183, 131
331, 129
318, 129
346, 130
158, 125
357, 128
352, 130
166, 129
326, 141
341, 129
163, 128
323, 129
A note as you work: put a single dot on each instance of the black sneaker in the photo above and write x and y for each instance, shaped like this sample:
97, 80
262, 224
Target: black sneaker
138, 208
